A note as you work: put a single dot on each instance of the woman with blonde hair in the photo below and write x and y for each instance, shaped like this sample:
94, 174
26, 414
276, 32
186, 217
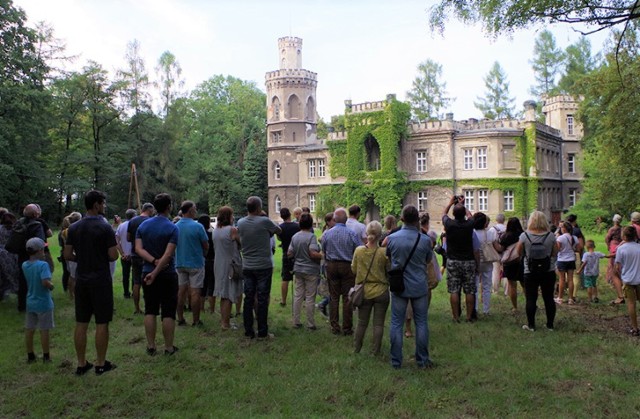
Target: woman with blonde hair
537, 244
370, 265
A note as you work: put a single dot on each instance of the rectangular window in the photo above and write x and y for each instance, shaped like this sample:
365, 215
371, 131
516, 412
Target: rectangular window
508, 200
509, 157
422, 201
468, 159
421, 161
312, 168
469, 200
571, 163
312, 202
569, 124
481, 154
322, 172
573, 197
483, 200
276, 136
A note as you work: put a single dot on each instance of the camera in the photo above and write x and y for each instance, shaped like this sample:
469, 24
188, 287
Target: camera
457, 199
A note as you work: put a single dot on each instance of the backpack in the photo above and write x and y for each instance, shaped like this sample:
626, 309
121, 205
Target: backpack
20, 233
539, 258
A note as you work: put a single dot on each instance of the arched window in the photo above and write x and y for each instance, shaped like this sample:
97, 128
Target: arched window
278, 204
294, 107
275, 105
373, 153
276, 170
310, 110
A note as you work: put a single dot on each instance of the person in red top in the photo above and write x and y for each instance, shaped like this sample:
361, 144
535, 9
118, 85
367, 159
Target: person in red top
635, 222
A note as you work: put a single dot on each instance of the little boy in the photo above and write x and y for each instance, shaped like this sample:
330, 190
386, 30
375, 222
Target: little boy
628, 268
39, 301
591, 269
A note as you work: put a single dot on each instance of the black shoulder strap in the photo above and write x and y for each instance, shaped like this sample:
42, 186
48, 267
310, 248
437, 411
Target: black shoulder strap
412, 251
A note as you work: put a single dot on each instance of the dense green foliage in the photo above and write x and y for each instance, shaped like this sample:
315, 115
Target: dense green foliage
504, 16
496, 103
64, 132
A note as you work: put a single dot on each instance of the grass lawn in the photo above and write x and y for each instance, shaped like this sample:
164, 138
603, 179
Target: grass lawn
588, 367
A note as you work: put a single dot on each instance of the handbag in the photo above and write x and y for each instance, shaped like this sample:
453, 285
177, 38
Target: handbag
487, 252
236, 270
396, 276
356, 293
510, 256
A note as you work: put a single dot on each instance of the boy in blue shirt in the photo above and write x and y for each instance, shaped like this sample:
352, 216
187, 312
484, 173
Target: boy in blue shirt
39, 302
591, 270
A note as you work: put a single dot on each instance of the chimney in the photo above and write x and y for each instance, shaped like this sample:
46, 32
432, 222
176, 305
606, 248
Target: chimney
530, 111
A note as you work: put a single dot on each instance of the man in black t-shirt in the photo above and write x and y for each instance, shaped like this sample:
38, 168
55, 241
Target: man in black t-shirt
289, 228
463, 257
148, 210
91, 242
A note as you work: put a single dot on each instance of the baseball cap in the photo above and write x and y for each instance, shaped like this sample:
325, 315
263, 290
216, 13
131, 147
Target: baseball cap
35, 244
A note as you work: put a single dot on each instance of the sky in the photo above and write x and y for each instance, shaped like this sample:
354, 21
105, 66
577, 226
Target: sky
361, 50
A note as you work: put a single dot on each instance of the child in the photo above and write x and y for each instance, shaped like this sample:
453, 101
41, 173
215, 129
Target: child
39, 301
591, 269
628, 268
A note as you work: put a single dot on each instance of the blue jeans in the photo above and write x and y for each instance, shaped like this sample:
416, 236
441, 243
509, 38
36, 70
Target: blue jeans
256, 281
420, 310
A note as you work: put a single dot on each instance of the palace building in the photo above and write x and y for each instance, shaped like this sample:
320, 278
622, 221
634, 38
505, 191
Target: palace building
383, 160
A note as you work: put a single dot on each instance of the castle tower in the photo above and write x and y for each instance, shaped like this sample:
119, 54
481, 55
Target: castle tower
291, 123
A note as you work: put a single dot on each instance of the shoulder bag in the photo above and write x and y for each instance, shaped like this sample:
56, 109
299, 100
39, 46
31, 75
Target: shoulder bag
396, 276
356, 293
487, 252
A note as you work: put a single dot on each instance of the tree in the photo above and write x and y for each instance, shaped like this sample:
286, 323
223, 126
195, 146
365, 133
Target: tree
546, 63
503, 16
428, 96
578, 63
496, 104
254, 174
135, 80
170, 79
609, 113
24, 116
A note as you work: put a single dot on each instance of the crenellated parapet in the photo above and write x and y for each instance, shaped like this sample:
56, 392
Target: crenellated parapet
291, 78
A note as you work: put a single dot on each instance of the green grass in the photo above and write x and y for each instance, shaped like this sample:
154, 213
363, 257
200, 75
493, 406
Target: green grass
588, 367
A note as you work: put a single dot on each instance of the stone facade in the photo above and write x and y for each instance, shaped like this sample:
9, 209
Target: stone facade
477, 158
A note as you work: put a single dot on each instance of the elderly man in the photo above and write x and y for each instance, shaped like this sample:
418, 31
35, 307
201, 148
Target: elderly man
338, 244
26, 228
410, 249
257, 268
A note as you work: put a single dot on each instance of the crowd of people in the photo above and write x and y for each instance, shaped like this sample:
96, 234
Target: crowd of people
181, 262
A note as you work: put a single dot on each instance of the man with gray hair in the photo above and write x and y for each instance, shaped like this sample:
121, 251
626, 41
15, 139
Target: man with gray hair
124, 249
255, 233
23, 230
338, 244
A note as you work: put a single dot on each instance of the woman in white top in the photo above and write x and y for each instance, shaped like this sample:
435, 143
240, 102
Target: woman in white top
567, 244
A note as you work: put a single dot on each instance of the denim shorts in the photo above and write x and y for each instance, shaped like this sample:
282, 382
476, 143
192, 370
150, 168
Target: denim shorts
40, 321
566, 266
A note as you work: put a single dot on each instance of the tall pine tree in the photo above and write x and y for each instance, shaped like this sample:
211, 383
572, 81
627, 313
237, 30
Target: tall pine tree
496, 104
428, 95
546, 64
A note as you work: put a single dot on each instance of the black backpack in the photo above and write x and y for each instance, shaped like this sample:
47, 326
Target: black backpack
21, 232
539, 258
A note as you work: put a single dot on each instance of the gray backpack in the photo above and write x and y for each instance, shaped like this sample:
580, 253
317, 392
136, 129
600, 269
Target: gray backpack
539, 257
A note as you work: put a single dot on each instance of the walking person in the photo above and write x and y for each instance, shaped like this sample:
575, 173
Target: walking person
567, 245
537, 244
370, 265
628, 267
613, 240
513, 269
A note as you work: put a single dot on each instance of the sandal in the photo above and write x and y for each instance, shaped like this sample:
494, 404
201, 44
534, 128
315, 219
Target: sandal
617, 301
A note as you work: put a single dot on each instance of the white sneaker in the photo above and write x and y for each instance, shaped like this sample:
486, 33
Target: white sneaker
526, 327
558, 301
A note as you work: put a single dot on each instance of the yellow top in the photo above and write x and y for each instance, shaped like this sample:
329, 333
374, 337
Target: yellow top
377, 283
